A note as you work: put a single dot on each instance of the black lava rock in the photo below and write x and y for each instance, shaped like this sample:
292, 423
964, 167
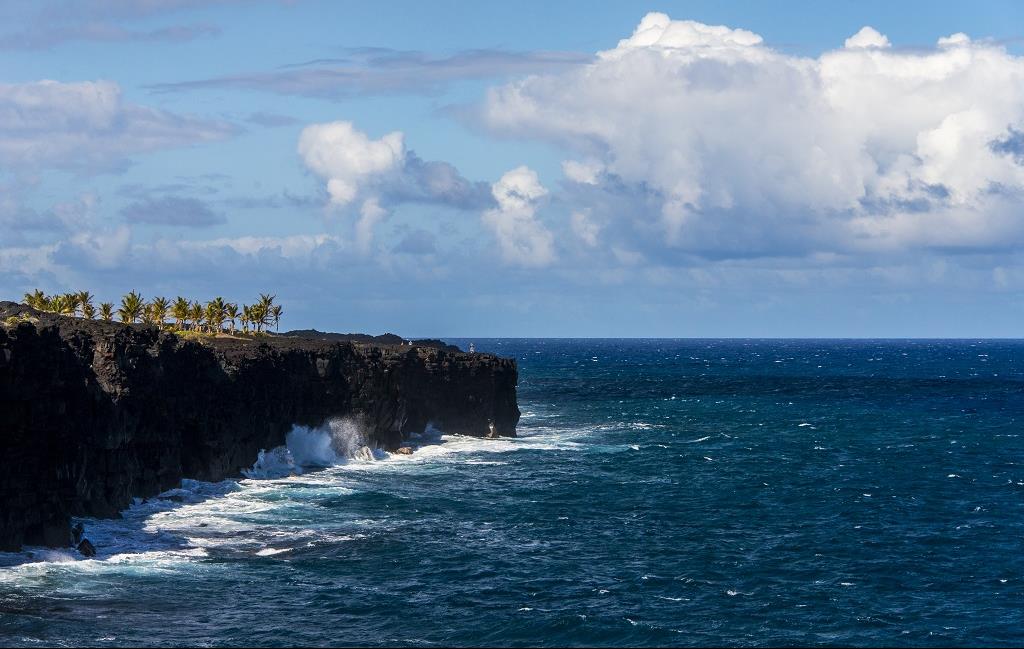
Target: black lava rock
93, 414
87, 548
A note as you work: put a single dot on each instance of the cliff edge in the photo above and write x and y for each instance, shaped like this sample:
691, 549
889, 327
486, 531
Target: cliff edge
93, 414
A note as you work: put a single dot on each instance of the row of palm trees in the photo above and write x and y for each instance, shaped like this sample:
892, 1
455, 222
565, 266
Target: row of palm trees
211, 317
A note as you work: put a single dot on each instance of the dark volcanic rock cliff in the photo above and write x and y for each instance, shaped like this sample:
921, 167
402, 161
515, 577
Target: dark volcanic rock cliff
93, 414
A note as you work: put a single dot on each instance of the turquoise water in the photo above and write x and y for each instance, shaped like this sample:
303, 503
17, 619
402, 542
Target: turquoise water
661, 493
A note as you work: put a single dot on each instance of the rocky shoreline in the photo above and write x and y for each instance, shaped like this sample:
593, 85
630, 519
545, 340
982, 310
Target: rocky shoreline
93, 414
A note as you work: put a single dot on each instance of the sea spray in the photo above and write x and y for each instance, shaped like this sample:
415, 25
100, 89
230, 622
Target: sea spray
349, 440
311, 447
335, 442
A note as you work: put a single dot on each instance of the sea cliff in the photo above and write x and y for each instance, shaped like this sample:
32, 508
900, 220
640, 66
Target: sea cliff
93, 414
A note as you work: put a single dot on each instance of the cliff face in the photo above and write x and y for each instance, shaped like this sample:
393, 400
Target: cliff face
93, 414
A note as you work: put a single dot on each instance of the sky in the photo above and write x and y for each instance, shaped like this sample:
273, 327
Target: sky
461, 169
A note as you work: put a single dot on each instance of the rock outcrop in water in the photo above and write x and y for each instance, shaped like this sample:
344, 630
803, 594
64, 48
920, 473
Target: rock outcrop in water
93, 414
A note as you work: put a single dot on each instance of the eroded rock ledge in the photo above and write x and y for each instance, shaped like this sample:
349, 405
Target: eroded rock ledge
93, 414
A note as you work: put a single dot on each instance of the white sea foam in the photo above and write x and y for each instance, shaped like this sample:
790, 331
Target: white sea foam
269, 552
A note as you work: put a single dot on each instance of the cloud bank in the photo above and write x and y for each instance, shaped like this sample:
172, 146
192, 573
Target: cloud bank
695, 140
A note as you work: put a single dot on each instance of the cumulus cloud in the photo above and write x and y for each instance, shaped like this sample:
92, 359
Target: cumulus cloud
708, 142
378, 174
348, 158
522, 239
869, 37
88, 126
172, 210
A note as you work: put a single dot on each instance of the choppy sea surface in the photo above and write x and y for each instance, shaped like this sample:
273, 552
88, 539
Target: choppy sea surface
661, 492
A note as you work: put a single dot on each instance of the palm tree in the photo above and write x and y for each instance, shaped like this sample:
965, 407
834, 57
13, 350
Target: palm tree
215, 314
88, 310
246, 317
132, 306
265, 305
36, 299
221, 309
258, 316
64, 304
275, 313
195, 312
85, 301
158, 310
231, 314
106, 311
179, 311
71, 304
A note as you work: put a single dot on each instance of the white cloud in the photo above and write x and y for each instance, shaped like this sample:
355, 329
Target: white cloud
379, 174
867, 37
348, 158
370, 214
727, 147
88, 126
658, 31
523, 239
585, 173
954, 40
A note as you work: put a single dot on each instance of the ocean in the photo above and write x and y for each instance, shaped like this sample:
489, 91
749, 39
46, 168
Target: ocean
661, 492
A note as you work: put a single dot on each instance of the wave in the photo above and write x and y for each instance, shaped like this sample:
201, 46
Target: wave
336, 442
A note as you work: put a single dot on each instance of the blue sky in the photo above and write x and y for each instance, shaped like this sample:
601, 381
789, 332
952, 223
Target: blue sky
539, 169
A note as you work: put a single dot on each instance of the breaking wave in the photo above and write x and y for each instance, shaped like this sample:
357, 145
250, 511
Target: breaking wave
336, 442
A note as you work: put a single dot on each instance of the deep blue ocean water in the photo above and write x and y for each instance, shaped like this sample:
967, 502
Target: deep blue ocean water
691, 492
